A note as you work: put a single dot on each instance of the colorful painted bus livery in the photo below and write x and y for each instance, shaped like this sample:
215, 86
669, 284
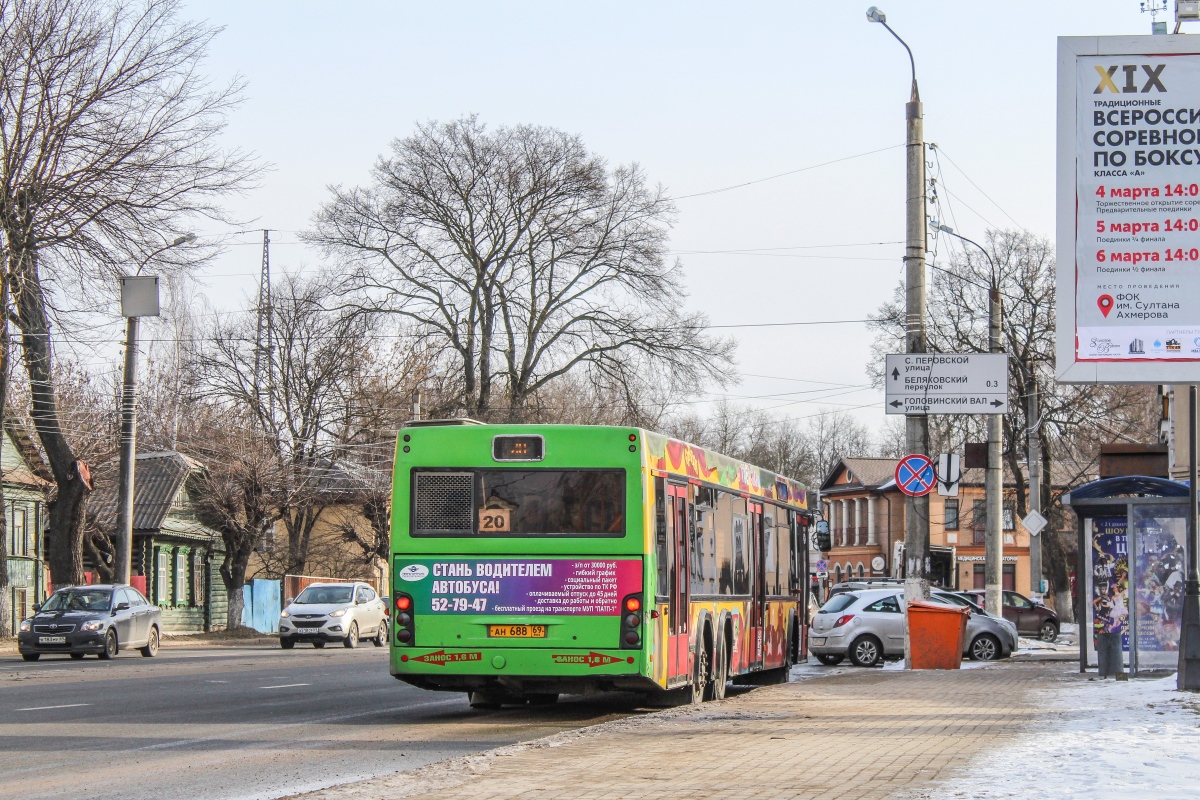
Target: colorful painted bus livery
535, 560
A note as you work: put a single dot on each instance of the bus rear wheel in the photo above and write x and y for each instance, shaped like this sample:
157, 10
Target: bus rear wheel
715, 690
699, 674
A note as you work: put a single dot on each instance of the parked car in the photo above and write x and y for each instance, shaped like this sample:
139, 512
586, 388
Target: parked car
988, 637
1031, 619
867, 626
863, 583
103, 620
334, 612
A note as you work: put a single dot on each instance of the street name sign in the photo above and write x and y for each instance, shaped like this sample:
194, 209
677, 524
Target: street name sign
946, 383
915, 475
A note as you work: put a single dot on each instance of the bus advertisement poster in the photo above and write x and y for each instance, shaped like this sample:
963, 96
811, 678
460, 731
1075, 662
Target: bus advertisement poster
550, 586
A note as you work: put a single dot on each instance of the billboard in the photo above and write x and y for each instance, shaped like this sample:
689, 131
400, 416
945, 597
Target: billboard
1128, 191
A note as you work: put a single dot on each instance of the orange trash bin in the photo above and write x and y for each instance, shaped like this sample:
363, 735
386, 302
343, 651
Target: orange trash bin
935, 635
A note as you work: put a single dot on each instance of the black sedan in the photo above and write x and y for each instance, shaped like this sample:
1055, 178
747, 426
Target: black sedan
103, 620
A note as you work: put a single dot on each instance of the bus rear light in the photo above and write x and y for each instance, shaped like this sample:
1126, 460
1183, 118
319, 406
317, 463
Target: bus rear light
842, 620
631, 622
406, 630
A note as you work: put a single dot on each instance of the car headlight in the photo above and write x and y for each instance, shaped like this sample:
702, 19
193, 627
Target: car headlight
94, 625
341, 612
26, 625
284, 614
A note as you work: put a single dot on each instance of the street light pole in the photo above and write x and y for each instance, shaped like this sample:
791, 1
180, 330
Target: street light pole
916, 426
993, 541
139, 298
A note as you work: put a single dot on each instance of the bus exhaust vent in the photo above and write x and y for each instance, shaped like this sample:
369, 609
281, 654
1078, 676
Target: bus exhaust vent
444, 502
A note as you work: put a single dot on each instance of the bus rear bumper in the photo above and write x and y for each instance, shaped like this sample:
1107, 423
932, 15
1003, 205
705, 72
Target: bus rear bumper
521, 670
532, 684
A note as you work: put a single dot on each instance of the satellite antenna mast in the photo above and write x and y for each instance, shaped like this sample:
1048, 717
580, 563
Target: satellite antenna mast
1153, 7
263, 342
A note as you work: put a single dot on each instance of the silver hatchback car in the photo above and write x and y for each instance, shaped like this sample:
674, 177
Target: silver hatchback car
334, 612
868, 626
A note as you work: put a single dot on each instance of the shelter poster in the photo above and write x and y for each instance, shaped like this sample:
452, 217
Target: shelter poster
1110, 578
1159, 582
1137, 241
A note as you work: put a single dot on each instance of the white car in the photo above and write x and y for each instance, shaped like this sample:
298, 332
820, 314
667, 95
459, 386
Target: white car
334, 612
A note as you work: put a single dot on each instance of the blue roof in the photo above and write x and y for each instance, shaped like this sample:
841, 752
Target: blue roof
1130, 485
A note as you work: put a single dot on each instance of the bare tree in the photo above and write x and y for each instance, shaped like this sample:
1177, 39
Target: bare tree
306, 404
107, 149
1022, 267
523, 257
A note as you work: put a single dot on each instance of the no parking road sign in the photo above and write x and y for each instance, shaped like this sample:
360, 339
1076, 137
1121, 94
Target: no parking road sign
915, 475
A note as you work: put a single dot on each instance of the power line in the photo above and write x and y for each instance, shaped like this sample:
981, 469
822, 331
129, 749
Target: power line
785, 174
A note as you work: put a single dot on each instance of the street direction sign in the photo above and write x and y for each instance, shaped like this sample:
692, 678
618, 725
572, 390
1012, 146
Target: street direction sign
948, 475
946, 383
1034, 523
822, 565
915, 475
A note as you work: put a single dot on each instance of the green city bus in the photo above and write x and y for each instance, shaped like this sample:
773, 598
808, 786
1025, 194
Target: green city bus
534, 560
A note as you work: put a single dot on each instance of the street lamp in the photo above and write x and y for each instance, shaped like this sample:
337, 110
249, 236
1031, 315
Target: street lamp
993, 553
139, 298
916, 426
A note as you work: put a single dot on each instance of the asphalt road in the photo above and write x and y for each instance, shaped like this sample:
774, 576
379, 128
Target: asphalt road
240, 722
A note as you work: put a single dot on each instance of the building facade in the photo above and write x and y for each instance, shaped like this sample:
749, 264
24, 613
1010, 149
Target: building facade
865, 511
26, 479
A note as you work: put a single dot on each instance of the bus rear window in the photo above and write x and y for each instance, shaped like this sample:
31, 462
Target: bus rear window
518, 502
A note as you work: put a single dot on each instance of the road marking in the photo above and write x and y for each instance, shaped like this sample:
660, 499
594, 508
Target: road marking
47, 708
216, 681
285, 686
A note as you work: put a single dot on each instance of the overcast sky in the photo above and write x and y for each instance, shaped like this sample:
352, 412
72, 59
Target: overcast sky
704, 96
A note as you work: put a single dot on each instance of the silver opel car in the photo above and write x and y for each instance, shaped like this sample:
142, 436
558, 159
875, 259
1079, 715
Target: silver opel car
868, 626
334, 612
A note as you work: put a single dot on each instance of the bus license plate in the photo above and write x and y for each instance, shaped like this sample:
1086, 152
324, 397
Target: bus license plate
517, 631
52, 640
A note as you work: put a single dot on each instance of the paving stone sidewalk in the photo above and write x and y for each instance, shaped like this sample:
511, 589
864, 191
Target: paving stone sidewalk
858, 734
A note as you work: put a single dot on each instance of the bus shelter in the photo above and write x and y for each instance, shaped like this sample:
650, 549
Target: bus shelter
1132, 552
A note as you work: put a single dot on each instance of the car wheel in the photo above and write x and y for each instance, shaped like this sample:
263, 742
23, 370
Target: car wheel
830, 659
110, 645
318, 644
1048, 632
381, 635
151, 648
32, 656
985, 647
77, 656
865, 651
286, 642
351, 640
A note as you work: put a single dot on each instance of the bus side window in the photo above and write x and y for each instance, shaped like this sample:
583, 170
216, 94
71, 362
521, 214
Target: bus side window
662, 548
724, 543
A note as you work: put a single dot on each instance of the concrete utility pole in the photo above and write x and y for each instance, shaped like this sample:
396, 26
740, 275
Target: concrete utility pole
1188, 676
993, 548
1034, 471
139, 298
916, 426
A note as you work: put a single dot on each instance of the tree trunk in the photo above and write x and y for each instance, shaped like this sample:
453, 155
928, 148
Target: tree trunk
5, 595
233, 575
64, 536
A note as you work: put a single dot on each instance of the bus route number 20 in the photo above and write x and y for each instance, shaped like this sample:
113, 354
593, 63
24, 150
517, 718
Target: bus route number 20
493, 520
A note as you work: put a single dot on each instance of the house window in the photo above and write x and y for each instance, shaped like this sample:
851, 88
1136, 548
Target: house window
20, 542
198, 578
180, 578
161, 574
979, 520
951, 523
1010, 516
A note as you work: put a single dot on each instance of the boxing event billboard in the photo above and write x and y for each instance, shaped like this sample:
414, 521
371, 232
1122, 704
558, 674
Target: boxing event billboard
1128, 185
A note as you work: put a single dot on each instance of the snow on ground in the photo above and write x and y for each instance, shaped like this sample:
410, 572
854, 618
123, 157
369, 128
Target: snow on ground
1099, 740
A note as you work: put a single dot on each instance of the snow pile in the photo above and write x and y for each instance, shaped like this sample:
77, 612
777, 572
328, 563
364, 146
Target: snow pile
1098, 740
